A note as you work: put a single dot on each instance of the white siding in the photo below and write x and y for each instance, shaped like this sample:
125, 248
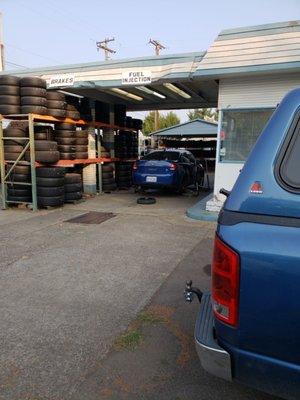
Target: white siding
256, 91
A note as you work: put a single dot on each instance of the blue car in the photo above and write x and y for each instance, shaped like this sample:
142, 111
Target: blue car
168, 169
248, 327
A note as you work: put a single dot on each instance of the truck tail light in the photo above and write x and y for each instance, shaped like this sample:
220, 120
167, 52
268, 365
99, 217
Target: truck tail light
225, 282
173, 167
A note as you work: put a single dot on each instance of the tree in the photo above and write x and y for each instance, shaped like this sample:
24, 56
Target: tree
165, 121
208, 114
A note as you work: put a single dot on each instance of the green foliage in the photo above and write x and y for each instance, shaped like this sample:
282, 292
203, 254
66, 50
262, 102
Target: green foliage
129, 340
165, 121
208, 114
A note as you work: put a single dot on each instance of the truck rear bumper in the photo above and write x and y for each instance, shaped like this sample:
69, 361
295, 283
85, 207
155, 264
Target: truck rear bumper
214, 359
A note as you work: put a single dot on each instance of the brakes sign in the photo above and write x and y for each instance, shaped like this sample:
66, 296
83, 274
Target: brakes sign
61, 80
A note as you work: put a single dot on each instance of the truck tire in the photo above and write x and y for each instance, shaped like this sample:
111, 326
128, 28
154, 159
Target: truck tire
33, 101
22, 169
7, 109
73, 196
81, 148
65, 141
10, 100
57, 112
81, 155
45, 145
19, 192
56, 104
73, 114
65, 126
50, 191
9, 90
56, 96
47, 157
17, 199
64, 134
107, 168
9, 80
81, 134
50, 201
40, 136
13, 177
67, 156
33, 82
50, 182
34, 110
107, 175
72, 178
66, 148
33, 91
50, 172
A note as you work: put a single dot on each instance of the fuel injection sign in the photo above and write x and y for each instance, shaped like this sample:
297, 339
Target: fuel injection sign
61, 80
136, 77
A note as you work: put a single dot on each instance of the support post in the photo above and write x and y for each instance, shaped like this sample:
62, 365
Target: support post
2, 168
32, 162
99, 165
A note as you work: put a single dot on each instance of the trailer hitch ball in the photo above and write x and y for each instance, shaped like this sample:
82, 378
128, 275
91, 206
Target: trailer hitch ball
190, 291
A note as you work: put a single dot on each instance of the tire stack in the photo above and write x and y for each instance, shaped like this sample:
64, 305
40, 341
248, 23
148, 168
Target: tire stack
17, 192
121, 144
73, 187
13, 147
104, 153
56, 104
33, 96
9, 95
50, 186
124, 175
81, 144
64, 135
73, 107
43, 132
45, 152
108, 179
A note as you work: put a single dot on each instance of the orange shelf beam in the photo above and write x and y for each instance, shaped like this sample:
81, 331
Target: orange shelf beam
68, 163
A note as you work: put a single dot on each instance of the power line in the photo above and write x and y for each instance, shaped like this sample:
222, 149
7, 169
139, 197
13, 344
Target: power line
15, 64
30, 52
103, 45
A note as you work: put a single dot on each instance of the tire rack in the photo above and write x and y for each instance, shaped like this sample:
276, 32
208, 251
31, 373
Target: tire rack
31, 119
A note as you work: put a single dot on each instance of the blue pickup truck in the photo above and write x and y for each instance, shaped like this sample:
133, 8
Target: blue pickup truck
248, 327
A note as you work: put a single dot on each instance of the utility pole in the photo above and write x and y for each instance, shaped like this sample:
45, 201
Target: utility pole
103, 46
2, 63
158, 47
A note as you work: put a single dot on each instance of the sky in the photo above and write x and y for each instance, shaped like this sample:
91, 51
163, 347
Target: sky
52, 32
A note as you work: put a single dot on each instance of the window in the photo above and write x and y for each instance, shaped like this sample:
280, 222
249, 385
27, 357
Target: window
162, 156
289, 162
239, 131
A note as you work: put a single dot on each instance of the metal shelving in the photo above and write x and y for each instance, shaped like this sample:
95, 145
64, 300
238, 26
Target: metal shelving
32, 119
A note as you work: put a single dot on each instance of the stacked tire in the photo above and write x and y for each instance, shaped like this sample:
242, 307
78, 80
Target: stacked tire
50, 186
124, 175
13, 147
33, 96
64, 135
104, 153
126, 145
56, 104
46, 152
43, 132
73, 187
9, 95
81, 144
108, 180
17, 191
73, 112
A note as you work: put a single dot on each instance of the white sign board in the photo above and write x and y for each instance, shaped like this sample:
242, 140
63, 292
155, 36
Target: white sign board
61, 80
136, 77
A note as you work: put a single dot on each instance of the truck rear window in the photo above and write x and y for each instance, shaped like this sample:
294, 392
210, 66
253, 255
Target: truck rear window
289, 169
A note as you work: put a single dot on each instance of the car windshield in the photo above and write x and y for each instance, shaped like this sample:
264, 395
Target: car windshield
162, 156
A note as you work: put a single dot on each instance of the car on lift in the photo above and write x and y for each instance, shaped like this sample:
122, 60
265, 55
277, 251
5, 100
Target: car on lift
168, 169
248, 327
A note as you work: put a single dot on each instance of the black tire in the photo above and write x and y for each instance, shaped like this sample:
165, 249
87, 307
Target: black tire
67, 156
14, 133
10, 100
65, 141
50, 182
124, 174
122, 167
50, 172
81, 148
73, 187
45, 145
107, 188
56, 112
9, 90
33, 101
82, 141
17, 199
81, 155
66, 148
64, 134
146, 200
13, 177
56, 96
9, 80
56, 104
34, 110
19, 192
13, 148
65, 126
73, 114
81, 134
107, 168
6, 109
50, 191
107, 175
73, 196
40, 136
42, 128
50, 201
21, 169
108, 181
12, 156
72, 178
71, 107
33, 82
33, 91
46, 157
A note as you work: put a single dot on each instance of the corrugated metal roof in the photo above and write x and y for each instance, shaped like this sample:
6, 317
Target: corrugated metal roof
260, 48
197, 127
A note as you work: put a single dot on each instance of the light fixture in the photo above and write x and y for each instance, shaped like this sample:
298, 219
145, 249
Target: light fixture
127, 94
176, 90
71, 94
150, 91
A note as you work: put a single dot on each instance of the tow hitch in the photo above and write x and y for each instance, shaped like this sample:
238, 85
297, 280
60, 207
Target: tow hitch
190, 291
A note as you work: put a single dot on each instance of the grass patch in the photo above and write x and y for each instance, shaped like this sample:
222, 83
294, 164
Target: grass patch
129, 340
148, 317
